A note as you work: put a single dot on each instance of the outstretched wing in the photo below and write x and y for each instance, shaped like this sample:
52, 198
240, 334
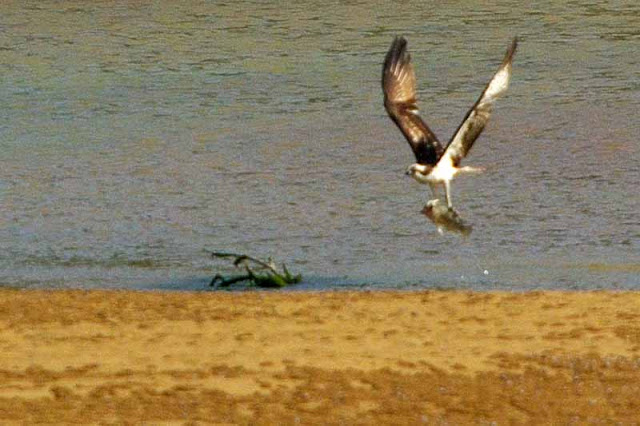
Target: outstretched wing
478, 115
399, 87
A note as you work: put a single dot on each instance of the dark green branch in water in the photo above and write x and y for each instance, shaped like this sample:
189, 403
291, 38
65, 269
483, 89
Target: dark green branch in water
262, 274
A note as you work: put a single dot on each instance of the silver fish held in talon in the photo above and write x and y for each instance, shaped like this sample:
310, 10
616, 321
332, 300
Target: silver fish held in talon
445, 218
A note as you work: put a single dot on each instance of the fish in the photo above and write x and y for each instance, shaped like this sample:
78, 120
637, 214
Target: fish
445, 218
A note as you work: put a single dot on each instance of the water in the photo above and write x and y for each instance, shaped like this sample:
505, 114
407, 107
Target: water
136, 136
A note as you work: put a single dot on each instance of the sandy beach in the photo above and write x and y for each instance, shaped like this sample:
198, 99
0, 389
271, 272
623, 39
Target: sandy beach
319, 358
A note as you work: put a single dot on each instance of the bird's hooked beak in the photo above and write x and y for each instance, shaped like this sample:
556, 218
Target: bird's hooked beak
408, 172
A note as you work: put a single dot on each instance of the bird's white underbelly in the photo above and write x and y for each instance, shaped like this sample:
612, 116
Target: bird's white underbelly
439, 174
443, 172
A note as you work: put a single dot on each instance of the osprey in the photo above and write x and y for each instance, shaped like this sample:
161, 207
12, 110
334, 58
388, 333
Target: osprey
435, 164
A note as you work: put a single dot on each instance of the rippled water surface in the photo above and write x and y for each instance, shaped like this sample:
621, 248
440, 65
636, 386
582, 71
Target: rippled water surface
135, 136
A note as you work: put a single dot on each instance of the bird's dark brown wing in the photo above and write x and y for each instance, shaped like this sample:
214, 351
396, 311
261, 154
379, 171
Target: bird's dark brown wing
479, 114
399, 87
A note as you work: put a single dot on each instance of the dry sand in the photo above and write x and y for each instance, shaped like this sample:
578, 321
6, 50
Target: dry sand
319, 358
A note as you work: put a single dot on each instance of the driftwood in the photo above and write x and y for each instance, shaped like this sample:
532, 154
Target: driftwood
256, 271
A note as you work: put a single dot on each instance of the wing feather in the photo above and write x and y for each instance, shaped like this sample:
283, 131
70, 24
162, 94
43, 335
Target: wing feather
399, 87
478, 116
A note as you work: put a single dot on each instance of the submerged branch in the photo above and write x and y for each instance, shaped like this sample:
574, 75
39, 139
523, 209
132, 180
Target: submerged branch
240, 258
265, 273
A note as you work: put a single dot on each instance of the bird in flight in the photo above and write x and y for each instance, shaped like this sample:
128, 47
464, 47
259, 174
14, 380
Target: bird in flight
436, 165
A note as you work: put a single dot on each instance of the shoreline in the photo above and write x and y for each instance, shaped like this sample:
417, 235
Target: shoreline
318, 357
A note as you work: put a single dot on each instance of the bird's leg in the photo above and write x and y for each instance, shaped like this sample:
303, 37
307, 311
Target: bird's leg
447, 193
434, 190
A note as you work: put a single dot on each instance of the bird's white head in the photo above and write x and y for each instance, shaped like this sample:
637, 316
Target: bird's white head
417, 170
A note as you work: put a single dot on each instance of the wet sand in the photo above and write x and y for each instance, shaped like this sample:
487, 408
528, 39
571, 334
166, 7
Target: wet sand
319, 358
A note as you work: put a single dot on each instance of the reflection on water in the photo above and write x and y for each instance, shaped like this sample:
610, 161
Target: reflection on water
135, 136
